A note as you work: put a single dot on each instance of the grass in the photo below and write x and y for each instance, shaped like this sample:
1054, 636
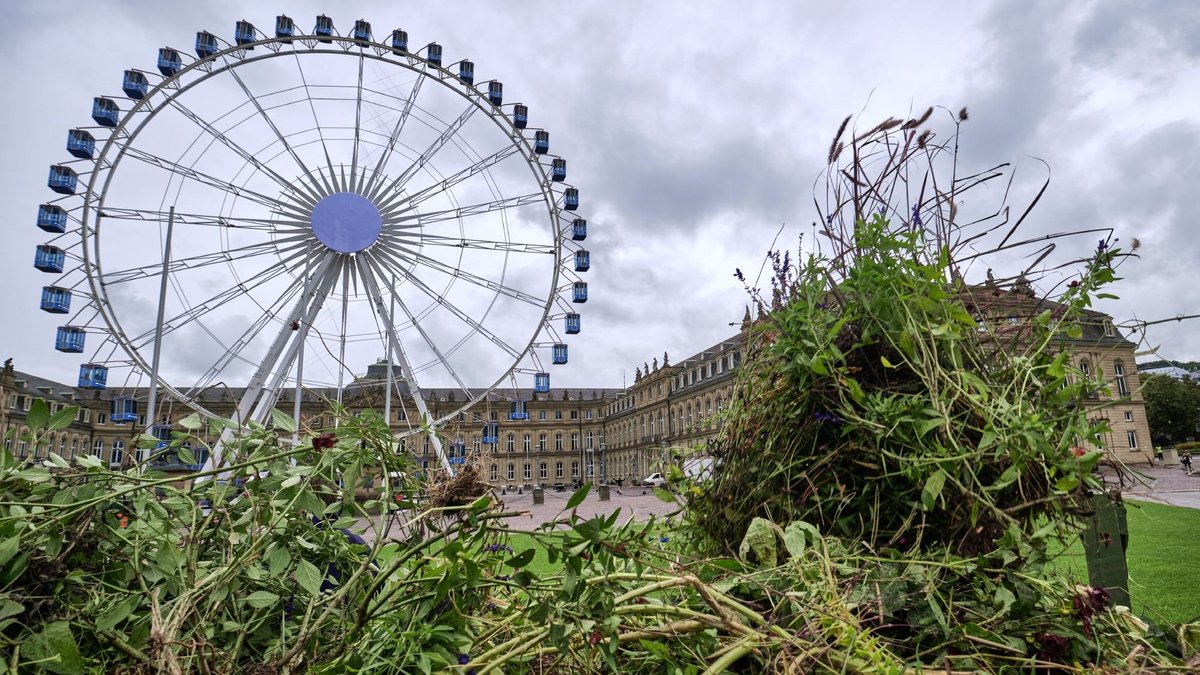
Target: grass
1164, 545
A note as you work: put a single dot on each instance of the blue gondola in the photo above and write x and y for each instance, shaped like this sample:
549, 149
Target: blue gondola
135, 85
49, 258
559, 355
206, 44
52, 218
541, 382
284, 27
62, 179
541, 142
579, 229
105, 111
244, 33
399, 42
579, 292
93, 376
572, 324
495, 92
81, 144
69, 339
163, 433
124, 409
520, 116
362, 31
491, 433
324, 29
56, 300
558, 169
518, 411
583, 260
169, 61
571, 199
466, 71
433, 53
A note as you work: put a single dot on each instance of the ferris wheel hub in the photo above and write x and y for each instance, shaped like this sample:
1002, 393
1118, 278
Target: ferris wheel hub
346, 222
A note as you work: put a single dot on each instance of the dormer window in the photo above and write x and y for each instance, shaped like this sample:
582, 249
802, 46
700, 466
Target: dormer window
1109, 329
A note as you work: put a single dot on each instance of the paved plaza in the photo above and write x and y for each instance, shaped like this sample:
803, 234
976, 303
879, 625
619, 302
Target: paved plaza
1165, 485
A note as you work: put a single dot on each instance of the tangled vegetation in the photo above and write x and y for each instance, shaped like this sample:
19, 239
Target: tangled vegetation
891, 479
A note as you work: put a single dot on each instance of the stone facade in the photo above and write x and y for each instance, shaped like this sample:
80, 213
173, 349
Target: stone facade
572, 435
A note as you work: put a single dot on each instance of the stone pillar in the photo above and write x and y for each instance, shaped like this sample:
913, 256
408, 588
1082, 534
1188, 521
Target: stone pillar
539, 496
602, 490
1105, 539
1170, 457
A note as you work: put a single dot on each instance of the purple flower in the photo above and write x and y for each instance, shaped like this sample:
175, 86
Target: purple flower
463, 659
664, 539
826, 417
1102, 246
916, 215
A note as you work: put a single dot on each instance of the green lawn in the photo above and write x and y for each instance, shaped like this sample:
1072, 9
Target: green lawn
1164, 547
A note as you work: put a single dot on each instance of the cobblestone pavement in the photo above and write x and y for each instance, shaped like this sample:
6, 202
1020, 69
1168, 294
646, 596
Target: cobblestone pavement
1165, 485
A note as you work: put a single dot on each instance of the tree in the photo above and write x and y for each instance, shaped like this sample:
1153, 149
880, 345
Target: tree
1172, 408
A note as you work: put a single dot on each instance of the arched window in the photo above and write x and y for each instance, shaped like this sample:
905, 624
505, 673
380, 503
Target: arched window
98, 448
118, 452
1119, 376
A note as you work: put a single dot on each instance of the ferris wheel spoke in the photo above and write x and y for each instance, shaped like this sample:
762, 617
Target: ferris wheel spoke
205, 179
458, 273
367, 267
438, 143
394, 137
326, 180
440, 187
462, 316
484, 244
406, 371
233, 222
288, 186
195, 262
354, 179
218, 300
409, 220
278, 134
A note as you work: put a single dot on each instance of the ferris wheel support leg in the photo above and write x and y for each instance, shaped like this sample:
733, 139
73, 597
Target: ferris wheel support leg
305, 310
152, 402
405, 369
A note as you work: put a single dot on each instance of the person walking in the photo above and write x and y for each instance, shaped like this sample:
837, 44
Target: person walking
1186, 461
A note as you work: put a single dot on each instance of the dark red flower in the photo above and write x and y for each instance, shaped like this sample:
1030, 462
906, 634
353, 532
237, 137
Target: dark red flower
323, 441
595, 638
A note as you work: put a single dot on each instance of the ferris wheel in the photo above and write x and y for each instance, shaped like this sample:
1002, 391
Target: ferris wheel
282, 209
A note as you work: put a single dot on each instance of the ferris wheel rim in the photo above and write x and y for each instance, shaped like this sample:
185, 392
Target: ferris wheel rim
233, 57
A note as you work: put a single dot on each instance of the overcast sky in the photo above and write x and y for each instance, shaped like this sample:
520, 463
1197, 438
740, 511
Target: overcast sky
695, 131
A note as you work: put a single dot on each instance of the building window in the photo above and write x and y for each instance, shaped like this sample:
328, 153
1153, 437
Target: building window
558, 442
28, 400
98, 449
1109, 329
492, 416
574, 414
541, 442
511, 473
1119, 372
558, 470
588, 440
118, 450
527, 472
526, 442
494, 472
541, 415
587, 415
558, 414
23, 447
1131, 435
542, 471
512, 441
575, 470
1128, 416
574, 441
101, 418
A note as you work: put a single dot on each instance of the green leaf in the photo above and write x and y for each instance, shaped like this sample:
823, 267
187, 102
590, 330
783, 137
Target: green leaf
56, 649
1067, 483
283, 421
191, 422
260, 599
10, 608
760, 541
121, 611
63, 418
578, 497
9, 547
89, 461
57, 460
933, 489
184, 453
521, 559
38, 415
885, 362
309, 577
